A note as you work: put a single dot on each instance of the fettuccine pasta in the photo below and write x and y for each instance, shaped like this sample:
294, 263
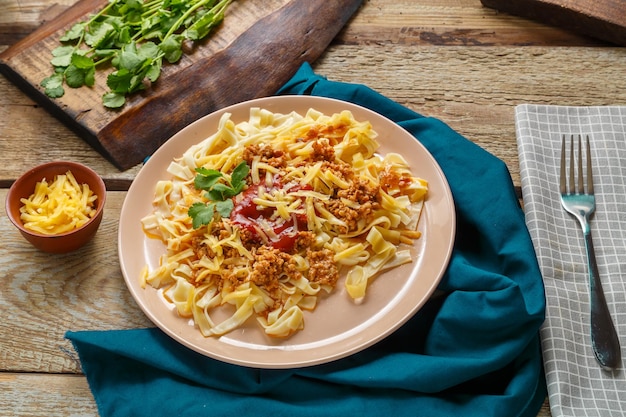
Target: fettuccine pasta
318, 203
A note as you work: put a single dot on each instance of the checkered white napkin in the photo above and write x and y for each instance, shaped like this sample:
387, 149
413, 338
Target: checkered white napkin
577, 386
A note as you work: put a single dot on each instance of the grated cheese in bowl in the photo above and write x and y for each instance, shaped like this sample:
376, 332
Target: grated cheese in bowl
58, 207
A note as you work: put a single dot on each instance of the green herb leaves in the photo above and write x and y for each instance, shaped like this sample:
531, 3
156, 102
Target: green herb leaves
219, 193
202, 214
133, 37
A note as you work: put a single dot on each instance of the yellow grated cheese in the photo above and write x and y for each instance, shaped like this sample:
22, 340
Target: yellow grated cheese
59, 207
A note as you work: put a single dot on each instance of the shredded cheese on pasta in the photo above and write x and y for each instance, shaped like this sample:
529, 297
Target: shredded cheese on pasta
58, 207
319, 203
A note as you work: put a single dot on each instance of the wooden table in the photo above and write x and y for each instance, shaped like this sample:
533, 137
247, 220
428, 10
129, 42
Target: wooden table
451, 59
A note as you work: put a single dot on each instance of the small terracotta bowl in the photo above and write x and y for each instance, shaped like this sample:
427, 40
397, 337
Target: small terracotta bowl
24, 186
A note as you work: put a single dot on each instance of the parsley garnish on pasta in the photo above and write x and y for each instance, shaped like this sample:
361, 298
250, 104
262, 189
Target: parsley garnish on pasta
266, 216
219, 194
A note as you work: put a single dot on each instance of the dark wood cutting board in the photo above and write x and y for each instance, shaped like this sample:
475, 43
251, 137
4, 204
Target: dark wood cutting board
600, 19
258, 47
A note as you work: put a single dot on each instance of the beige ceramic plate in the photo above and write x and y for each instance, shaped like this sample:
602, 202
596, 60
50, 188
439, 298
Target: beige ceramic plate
337, 327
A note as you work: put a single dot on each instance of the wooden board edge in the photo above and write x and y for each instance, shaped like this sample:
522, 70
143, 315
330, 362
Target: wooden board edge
46, 103
69, 16
205, 100
569, 19
107, 140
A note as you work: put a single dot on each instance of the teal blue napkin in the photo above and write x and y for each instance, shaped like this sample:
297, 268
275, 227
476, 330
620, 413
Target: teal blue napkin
472, 351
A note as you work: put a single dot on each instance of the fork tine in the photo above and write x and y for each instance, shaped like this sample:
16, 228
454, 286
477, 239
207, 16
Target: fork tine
562, 181
589, 171
572, 187
581, 187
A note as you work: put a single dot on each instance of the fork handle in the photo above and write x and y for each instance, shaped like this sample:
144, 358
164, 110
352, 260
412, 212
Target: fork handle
604, 338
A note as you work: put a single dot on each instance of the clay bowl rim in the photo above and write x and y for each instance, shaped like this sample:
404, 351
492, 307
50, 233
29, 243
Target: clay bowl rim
38, 173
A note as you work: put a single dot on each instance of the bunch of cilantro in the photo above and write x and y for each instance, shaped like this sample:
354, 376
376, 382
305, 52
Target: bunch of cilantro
132, 36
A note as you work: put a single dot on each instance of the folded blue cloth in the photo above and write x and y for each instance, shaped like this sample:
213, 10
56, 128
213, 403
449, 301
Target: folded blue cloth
472, 351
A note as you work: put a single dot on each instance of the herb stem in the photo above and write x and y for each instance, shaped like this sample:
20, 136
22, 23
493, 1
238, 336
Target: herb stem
208, 3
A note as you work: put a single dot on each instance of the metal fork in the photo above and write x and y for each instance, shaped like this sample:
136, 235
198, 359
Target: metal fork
582, 204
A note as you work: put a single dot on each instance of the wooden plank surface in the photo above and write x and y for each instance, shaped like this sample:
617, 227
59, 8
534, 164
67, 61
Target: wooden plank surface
236, 62
602, 19
49, 294
28, 395
453, 59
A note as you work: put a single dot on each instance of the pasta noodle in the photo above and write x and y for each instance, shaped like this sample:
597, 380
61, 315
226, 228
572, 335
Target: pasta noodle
318, 203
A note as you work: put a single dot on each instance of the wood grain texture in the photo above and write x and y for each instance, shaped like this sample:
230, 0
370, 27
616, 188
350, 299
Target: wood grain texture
46, 295
602, 19
237, 62
28, 395
474, 90
27, 126
19, 18
450, 23
404, 38
456, 60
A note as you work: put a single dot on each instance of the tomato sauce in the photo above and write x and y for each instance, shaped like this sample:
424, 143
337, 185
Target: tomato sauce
247, 215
